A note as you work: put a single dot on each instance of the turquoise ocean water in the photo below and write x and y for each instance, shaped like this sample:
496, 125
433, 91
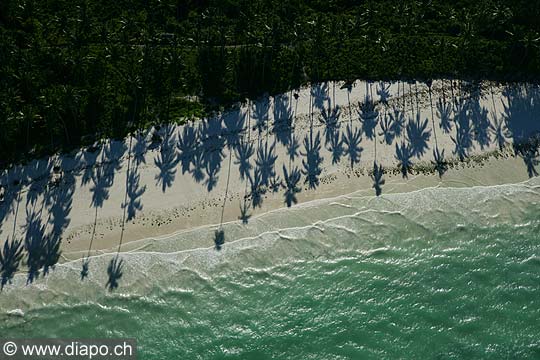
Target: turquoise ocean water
433, 274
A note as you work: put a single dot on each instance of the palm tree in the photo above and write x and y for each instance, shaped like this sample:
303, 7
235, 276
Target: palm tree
528, 43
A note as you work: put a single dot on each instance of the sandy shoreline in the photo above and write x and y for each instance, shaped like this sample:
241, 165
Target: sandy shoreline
240, 164
166, 222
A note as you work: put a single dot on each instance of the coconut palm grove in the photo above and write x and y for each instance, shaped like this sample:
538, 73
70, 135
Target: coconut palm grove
72, 72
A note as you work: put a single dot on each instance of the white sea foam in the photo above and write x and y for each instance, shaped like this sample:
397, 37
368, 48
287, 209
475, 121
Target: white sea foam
324, 228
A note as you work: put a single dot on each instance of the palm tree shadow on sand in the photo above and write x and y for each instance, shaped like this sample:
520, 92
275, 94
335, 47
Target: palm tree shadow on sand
351, 140
257, 188
313, 160
265, 161
330, 118
115, 273
499, 130
378, 179
102, 179
134, 193
444, 112
219, 238
335, 146
85, 270
521, 112
52, 253
187, 144
260, 113
368, 117
114, 270
418, 136
293, 149
532, 161
439, 162
43, 236
212, 152
34, 244
292, 179
387, 129
11, 200
167, 159
244, 210
10, 259
404, 157
43, 250
319, 94
282, 119
463, 140
243, 154
482, 125
397, 118
38, 188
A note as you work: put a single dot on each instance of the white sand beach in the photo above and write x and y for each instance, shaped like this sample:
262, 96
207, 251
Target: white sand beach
250, 160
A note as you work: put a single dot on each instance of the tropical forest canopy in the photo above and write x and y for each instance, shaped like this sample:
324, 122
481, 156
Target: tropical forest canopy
74, 71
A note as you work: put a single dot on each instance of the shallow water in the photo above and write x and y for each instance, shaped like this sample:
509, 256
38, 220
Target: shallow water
436, 273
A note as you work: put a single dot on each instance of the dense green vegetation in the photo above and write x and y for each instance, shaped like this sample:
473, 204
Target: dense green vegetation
71, 71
